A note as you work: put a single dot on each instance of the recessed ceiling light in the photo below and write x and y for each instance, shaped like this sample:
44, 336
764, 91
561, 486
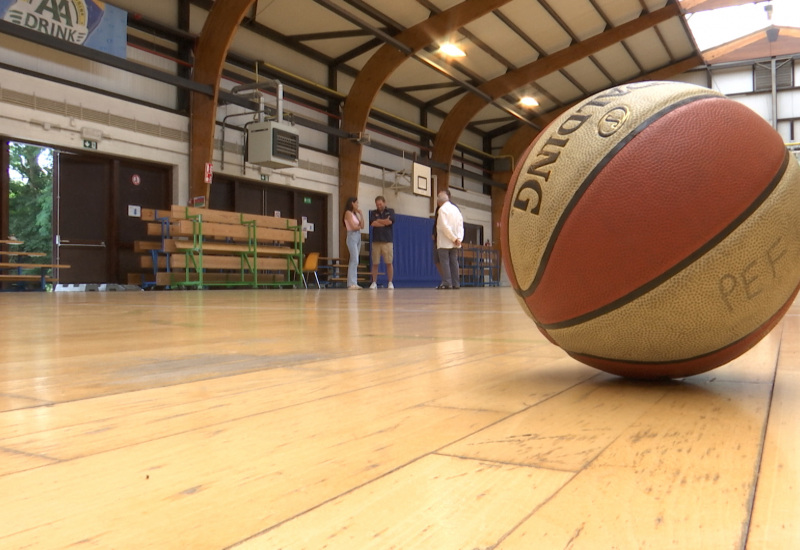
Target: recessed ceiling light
528, 101
451, 50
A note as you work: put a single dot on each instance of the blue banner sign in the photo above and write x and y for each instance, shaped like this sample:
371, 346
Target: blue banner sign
90, 23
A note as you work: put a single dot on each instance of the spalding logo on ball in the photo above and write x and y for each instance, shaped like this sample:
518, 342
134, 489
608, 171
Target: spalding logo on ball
653, 230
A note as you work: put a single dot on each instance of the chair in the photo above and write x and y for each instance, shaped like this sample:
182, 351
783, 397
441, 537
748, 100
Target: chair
309, 267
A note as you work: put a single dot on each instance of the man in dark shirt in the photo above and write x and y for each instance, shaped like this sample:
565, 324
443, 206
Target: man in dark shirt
382, 221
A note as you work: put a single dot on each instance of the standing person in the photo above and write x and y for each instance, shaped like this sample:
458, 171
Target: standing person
353, 221
382, 221
449, 234
435, 248
433, 237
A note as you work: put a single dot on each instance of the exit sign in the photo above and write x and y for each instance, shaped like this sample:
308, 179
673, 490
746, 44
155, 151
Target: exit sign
89, 144
306, 200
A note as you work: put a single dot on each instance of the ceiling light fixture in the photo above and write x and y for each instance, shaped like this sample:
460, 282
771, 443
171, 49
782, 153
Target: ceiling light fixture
451, 50
528, 101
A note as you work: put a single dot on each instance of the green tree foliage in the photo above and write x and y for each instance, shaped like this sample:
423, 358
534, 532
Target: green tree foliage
31, 198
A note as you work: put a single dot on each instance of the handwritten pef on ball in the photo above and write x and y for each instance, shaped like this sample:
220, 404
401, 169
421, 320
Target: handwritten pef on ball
653, 230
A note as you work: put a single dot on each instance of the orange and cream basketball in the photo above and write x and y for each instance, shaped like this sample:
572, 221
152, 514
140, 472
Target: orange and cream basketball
653, 230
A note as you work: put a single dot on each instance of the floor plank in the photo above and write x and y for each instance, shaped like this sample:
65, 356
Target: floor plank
437, 502
776, 511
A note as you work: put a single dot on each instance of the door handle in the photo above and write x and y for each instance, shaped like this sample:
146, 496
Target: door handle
89, 244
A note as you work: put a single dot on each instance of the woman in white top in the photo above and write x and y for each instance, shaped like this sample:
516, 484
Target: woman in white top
353, 221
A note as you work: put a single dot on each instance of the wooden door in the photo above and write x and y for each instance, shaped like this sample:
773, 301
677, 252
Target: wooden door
314, 208
222, 195
250, 198
82, 189
280, 200
98, 214
138, 186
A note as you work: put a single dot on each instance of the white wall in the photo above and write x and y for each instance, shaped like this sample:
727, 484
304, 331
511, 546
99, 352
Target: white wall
732, 81
38, 111
57, 115
58, 65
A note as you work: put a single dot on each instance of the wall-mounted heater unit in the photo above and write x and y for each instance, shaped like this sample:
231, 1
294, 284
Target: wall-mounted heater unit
273, 144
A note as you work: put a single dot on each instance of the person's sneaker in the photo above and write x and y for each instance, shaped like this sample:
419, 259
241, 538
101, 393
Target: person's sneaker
373, 286
390, 287
354, 287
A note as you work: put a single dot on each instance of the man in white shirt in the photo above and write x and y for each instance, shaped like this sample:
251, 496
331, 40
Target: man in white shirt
449, 234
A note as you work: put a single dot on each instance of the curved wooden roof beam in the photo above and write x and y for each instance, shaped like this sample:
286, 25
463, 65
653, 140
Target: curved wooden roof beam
471, 104
212, 47
380, 66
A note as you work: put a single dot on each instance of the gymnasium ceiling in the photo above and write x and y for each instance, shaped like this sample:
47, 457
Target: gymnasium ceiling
556, 51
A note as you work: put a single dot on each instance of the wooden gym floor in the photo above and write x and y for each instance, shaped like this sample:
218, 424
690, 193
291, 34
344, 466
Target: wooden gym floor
413, 419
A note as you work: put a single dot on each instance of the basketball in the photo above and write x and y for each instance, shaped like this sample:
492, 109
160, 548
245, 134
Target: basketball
653, 230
